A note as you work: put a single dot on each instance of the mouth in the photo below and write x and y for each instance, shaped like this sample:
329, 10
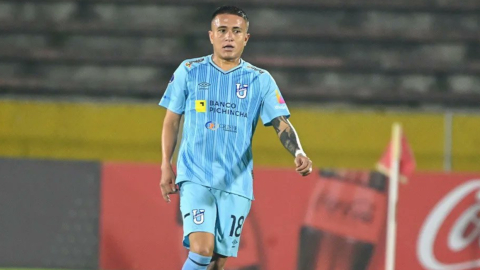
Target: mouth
228, 47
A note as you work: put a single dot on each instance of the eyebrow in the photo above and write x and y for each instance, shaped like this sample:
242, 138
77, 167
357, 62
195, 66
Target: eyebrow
235, 27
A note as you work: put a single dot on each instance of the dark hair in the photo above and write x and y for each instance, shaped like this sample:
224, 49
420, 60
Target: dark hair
230, 10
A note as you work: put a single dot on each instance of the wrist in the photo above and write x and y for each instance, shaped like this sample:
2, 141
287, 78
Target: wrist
166, 165
300, 152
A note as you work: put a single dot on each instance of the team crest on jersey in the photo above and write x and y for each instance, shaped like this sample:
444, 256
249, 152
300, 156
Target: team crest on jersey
198, 216
242, 90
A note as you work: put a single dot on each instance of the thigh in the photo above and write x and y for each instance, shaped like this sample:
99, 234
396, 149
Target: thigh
198, 208
232, 213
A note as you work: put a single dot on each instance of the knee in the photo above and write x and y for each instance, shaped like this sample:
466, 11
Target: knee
202, 243
201, 249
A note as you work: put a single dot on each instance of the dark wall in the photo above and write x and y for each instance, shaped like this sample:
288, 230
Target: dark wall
49, 213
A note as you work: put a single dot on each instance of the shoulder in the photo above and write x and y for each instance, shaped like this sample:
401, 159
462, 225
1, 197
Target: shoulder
186, 66
192, 63
262, 74
254, 69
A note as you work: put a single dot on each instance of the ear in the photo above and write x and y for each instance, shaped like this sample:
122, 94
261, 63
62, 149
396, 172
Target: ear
210, 35
247, 37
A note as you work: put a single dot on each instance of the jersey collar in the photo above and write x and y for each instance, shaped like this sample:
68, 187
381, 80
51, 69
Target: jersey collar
223, 71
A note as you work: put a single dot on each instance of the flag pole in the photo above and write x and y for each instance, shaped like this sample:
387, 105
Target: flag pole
393, 196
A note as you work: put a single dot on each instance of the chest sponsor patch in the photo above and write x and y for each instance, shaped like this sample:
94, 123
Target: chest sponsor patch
201, 105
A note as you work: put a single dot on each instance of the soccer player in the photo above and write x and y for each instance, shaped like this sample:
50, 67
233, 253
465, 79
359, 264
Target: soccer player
222, 97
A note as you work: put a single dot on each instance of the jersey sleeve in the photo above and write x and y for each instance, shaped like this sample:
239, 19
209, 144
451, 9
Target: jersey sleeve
176, 94
273, 104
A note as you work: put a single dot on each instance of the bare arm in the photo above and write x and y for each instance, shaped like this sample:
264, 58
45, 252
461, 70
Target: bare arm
170, 129
287, 135
289, 138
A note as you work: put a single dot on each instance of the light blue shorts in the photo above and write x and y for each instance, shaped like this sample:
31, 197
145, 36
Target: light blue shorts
215, 211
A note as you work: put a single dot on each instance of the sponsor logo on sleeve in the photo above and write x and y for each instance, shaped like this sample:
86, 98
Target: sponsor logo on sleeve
256, 69
189, 64
279, 97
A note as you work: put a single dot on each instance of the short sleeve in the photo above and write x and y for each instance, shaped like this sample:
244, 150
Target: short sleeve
176, 94
273, 104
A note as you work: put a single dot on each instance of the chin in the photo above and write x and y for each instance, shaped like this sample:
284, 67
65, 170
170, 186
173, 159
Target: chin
229, 56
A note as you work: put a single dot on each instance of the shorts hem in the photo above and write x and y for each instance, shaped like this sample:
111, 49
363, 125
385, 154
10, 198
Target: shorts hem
226, 254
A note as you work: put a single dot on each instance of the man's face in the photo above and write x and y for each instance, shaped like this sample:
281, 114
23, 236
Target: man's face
228, 36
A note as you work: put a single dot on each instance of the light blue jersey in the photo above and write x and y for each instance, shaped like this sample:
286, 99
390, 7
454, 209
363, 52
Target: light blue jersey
221, 112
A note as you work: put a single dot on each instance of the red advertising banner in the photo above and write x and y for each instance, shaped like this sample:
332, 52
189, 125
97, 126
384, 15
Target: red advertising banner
439, 222
347, 209
311, 223
140, 231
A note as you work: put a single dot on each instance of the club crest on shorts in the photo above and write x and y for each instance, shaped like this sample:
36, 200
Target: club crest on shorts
198, 216
242, 90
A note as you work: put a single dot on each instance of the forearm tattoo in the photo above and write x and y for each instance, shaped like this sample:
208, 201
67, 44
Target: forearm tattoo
287, 134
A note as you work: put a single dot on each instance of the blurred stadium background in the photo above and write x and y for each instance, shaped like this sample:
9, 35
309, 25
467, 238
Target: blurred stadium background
80, 81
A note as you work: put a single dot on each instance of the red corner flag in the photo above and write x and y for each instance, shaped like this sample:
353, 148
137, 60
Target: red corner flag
406, 160
398, 163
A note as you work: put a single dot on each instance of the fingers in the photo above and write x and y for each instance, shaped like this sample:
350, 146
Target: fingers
165, 193
309, 171
302, 163
167, 189
304, 166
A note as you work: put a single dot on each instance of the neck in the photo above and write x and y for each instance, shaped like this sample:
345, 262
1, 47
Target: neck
225, 64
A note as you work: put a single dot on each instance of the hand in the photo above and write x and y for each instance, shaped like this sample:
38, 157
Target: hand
167, 183
304, 165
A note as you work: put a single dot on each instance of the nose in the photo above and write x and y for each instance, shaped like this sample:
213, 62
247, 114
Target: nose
229, 36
